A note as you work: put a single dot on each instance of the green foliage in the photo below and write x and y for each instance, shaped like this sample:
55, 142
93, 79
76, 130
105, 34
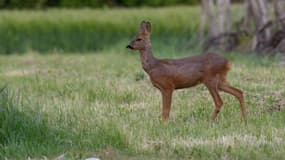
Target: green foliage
156, 3
101, 105
78, 30
131, 3
89, 3
84, 30
26, 3
2, 3
80, 4
28, 129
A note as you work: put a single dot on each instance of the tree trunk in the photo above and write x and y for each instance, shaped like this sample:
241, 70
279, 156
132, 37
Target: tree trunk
219, 22
210, 12
263, 7
279, 11
257, 12
221, 16
224, 19
224, 16
256, 24
207, 18
203, 22
228, 13
247, 19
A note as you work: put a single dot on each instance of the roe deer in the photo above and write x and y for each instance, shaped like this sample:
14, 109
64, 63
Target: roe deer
170, 74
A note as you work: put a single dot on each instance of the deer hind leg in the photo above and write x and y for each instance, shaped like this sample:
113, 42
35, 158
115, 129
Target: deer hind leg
224, 86
166, 102
212, 87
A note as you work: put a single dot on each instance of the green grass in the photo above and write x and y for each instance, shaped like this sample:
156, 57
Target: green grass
102, 104
86, 30
97, 101
89, 30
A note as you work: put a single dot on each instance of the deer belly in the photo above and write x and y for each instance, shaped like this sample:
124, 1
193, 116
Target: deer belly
186, 81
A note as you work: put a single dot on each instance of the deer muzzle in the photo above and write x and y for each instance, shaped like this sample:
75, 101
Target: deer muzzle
129, 46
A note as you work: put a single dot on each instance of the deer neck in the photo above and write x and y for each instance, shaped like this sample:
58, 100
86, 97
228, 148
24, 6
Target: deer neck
147, 59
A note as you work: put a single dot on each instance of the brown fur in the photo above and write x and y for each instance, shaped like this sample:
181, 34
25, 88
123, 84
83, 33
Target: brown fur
170, 74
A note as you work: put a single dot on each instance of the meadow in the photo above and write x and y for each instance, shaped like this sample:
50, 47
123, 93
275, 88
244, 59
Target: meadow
100, 103
83, 30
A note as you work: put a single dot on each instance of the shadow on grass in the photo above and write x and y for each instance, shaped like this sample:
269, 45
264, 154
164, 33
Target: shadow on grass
26, 132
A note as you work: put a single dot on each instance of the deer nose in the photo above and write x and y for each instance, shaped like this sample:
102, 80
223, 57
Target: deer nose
130, 47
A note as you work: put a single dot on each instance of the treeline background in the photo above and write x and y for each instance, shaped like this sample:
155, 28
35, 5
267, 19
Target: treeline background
31, 4
82, 30
85, 29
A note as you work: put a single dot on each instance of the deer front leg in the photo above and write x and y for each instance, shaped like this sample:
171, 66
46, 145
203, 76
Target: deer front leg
166, 102
235, 92
216, 97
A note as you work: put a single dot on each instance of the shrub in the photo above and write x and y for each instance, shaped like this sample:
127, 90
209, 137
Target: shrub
26, 3
90, 3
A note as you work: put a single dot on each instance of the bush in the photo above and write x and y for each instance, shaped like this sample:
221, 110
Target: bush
2, 3
26, 3
84, 30
90, 3
79, 4
130, 3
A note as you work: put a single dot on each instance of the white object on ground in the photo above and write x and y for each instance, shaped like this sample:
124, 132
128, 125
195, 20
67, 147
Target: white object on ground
93, 158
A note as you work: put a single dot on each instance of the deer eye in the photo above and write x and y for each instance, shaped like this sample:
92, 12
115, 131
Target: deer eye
139, 39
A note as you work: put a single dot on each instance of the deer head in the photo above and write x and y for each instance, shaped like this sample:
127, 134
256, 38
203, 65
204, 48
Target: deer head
142, 40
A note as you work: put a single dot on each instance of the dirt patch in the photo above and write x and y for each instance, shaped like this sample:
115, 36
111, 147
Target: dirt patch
20, 72
277, 102
32, 71
269, 102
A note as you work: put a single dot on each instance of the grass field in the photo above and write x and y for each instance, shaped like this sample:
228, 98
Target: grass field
102, 104
85, 30
96, 101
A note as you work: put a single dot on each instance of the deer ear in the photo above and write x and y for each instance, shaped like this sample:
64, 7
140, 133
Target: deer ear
148, 27
145, 27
